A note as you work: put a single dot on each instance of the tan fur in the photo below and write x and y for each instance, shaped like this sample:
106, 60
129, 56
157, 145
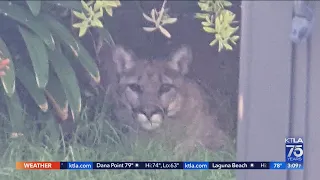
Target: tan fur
155, 98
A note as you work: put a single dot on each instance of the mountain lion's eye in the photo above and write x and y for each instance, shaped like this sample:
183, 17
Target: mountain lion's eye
165, 88
135, 87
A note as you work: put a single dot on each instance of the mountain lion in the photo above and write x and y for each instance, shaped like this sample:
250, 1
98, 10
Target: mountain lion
155, 98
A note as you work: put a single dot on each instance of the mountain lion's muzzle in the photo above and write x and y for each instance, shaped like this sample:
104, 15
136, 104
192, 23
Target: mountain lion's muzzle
149, 116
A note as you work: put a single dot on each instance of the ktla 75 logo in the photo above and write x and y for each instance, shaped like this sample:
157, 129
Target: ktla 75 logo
295, 147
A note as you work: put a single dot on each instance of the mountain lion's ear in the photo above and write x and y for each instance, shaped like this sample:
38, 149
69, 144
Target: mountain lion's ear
181, 59
123, 59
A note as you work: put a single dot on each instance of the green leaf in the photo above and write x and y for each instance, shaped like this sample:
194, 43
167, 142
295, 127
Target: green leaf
61, 31
147, 17
16, 112
57, 96
77, 25
85, 6
79, 15
98, 5
227, 3
106, 36
169, 21
96, 23
153, 15
209, 29
108, 10
8, 81
227, 46
34, 6
83, 30
79, 51
149, 29
38, 55
68, 80
213, 42
205, 23
24, 17
75, 5
201, 15
165, 32
111, 3
235, 38
28, 80
99, 14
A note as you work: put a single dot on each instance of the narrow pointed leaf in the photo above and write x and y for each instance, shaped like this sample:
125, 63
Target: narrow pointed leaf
8, 81
34, 6
23, 16
106, 36
67, 38
149, 29
147, 17
27, 78
61, 31
57, 97
38, 55
67, 77
165, 32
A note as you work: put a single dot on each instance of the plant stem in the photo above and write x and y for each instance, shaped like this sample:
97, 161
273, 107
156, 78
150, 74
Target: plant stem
161, 13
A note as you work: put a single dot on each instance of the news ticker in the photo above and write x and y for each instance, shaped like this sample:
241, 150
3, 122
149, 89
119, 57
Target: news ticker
156, 165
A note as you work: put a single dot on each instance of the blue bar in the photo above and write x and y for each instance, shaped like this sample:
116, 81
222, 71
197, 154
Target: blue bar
79, 165
195, 165
295, 166
278, 165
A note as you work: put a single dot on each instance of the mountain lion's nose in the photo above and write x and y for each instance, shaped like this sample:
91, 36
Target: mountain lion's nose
150, 110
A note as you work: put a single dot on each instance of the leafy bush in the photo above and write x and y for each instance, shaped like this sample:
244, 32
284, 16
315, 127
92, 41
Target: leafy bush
44, 64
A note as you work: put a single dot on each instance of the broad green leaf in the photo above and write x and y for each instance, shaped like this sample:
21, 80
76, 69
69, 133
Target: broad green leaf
149, 29
57, 96
67, 77
79, 15
169, 21
24, 17
8, 81
106, 36
16, 113
165, 32
28, 80
34, 6
75, 5
61, 31
38, 55
67, 38
147, 17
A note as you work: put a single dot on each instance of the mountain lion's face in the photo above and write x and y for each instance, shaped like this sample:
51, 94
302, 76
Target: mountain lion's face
151, 90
